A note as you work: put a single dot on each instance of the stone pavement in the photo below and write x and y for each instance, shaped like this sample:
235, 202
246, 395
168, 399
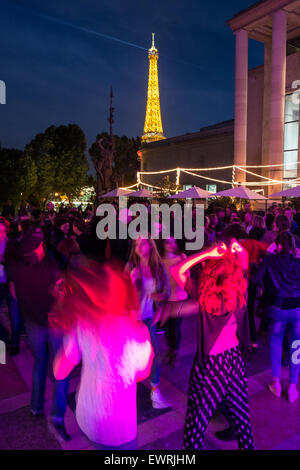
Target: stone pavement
276, 423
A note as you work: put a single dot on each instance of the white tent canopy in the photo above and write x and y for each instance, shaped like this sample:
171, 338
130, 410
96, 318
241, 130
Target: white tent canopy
192, 193
241, 192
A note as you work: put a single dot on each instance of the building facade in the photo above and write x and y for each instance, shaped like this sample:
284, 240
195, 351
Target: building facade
263, 140
212, 146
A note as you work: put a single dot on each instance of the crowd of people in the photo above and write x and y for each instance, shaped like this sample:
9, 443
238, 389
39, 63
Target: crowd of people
102, 303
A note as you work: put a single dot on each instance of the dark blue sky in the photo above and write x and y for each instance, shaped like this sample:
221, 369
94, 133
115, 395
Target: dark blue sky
58, 74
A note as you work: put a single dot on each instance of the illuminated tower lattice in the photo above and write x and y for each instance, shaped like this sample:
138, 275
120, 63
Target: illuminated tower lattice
153, 127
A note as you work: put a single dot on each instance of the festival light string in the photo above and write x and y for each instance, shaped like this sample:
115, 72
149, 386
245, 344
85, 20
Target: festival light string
270, 180
178, 177
146, 184
233, 176
216, 168
206, 178
157, 172
268, 166
185, 169
209, 169
132, 186
255, 174
233, 182
246, 183
150, 185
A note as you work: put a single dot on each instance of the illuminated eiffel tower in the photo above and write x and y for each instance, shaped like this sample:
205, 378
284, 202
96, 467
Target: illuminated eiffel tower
153, 127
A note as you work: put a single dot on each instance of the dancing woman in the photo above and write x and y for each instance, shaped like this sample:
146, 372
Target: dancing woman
218, 372
97, 309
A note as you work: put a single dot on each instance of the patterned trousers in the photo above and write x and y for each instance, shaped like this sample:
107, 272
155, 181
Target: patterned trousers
221, 379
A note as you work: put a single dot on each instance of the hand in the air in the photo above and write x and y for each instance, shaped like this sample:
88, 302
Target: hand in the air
235, 247
218, 251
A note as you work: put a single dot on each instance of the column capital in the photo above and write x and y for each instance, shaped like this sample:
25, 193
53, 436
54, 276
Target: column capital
279, 13
240, 32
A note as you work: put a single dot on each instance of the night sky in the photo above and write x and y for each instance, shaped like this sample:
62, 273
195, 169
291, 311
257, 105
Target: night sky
58, 65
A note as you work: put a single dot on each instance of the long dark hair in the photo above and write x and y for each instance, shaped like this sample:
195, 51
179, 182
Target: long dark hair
154, 259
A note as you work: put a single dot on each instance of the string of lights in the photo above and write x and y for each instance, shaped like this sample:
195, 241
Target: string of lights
271, 180
233, 176
209, 169
186, 169
178, 177
206, 177
215, 168
255, 174
233, 182
157, 172
149, 185
268, 166
266, 183
132, 186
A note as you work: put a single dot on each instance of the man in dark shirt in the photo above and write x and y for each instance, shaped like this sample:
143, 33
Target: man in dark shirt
82, 238
8, 210
34, 278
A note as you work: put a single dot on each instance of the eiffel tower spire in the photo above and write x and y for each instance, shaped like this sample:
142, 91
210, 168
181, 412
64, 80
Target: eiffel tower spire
153, 127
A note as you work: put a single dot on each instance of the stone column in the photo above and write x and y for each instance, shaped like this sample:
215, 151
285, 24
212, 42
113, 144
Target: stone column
278, 78
266, 110
240, 110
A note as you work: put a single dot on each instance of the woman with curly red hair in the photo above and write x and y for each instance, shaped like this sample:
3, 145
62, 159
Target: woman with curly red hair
218, 373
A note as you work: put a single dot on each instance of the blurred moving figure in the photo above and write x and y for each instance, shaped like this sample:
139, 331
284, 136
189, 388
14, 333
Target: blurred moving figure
35, 279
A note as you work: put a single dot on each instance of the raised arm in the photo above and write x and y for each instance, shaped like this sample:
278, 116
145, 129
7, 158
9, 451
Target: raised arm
179, 271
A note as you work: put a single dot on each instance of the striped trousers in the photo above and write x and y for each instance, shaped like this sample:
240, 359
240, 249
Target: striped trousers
222, 378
